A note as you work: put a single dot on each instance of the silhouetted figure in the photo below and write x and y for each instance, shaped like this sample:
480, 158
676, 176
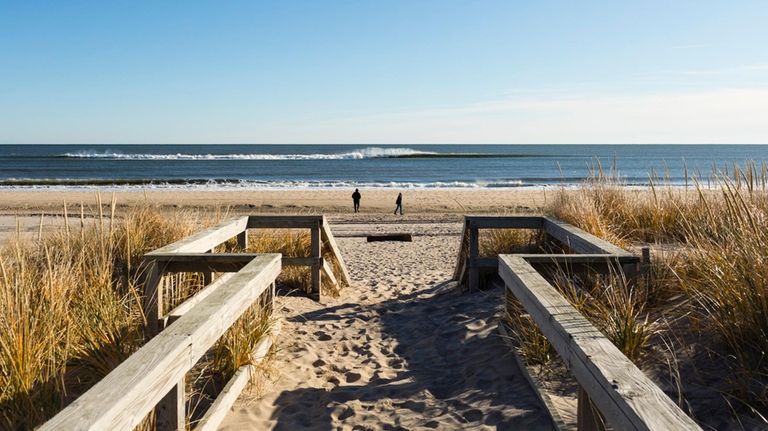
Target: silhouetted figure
356, 200
399, 203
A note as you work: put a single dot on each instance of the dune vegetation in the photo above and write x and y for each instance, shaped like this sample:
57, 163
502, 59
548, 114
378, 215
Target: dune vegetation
702, 308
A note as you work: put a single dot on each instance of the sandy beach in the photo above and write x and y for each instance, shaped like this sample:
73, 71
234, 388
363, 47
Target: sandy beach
22, 209
399, 349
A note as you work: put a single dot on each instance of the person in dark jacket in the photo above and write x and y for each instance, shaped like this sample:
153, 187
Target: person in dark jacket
399, 203
356, 200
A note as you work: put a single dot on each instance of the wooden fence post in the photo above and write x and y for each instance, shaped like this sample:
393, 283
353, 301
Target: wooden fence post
242, 240
474, 252
316, 269
170, 413
588, 418
207, 275
153, 297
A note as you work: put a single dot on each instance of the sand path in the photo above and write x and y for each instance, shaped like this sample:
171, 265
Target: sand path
401, 349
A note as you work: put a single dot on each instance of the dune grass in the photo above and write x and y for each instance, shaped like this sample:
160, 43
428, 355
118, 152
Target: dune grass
709, 270
715, 275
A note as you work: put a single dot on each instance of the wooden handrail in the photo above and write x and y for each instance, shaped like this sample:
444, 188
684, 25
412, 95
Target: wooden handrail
625, 396
122, 399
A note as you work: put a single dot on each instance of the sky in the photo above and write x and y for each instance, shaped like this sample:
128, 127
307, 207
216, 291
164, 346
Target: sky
384, 72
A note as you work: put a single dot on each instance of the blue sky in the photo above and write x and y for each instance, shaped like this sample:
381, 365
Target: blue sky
376, 72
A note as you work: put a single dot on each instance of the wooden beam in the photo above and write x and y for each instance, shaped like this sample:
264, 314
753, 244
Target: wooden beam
327, 237
221, 262
242, 240
221, 406
474, 253
505, 222
406, 237
579, 259
625, 396
170, 412
579, 240
127, 394
205, 240
153, 296
316, 250
458, 273
284, 221
187, 305
328, 271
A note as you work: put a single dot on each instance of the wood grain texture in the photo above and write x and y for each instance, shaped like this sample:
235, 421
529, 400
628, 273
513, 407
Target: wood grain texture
625, 396
579, 240
127, 394
226, 399
206, 239
505, 222
328, 272
284, 221
327, 236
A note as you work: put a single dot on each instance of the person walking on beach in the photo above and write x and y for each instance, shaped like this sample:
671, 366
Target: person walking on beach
356, 200
399, 204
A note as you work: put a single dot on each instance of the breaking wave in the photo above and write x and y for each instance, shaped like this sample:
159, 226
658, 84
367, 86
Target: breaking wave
364, 153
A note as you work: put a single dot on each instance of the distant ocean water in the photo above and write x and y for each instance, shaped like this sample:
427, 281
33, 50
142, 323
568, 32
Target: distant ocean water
334, 166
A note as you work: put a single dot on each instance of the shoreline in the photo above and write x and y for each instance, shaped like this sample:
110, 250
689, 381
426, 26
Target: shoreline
337, 201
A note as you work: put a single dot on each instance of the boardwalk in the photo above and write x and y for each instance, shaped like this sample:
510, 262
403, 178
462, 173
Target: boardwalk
400, 349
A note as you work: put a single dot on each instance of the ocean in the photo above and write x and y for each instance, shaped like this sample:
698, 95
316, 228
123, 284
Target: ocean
333, 166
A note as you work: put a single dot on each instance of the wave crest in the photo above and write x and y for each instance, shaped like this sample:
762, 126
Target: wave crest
363, 153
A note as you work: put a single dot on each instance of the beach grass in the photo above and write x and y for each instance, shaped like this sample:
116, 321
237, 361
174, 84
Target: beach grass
710, 271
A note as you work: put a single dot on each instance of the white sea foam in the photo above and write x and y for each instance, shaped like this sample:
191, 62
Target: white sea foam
76, 184
363, 153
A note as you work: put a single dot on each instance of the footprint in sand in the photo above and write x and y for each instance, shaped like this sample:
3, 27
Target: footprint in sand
352, 377
322, 336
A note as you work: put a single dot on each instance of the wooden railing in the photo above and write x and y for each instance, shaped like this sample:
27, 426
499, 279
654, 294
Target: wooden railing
470, 264
154, 377
613, 390
194, 254
625, 397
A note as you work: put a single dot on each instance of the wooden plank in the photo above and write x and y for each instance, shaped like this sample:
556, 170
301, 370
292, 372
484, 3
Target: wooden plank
406, 237
187, 305
226, 399
579, 240
625, 396
153, 296
242, 240
327, 236
541, 394
316, 251
580, 259
474, 252
284, 221
206, 239
170, 413
458, 273
126, 395
484, 262
505, 222
221, 262
329, 273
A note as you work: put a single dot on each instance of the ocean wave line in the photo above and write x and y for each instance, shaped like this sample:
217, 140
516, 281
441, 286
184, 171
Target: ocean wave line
364, 153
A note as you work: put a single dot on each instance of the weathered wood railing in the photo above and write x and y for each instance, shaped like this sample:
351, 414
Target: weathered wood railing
623, 396
194, 254
470, 264
154, 376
